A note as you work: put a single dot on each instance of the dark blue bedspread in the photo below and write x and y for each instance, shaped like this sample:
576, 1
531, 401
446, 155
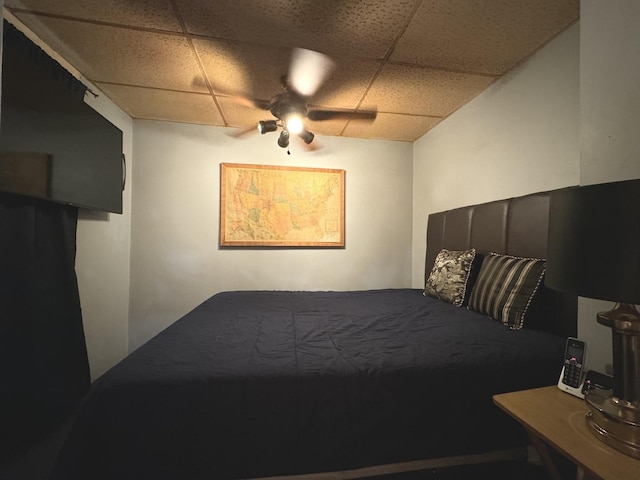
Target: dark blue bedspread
263, 383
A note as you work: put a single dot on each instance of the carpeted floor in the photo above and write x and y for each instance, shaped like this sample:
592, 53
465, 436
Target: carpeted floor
35, 463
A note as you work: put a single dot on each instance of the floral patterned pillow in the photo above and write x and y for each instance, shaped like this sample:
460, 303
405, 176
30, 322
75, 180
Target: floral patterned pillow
449, 275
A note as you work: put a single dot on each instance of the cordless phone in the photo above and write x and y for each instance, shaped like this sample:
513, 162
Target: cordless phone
571, 377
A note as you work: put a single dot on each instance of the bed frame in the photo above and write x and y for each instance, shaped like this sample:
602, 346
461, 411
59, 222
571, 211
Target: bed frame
515, 226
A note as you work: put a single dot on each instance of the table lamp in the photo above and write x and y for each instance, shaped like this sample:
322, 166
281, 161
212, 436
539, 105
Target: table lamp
594, 252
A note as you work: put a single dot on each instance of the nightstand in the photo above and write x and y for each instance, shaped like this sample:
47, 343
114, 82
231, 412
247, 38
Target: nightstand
556, 419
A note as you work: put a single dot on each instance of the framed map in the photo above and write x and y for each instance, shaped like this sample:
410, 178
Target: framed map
275, 206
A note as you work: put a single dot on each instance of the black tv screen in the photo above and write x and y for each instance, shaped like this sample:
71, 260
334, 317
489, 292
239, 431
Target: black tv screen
52, 144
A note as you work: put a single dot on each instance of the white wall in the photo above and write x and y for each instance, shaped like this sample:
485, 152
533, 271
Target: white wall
176, 262
610, 109
520, 136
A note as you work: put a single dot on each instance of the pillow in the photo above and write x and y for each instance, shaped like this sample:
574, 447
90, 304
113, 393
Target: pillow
505, 287
448, 278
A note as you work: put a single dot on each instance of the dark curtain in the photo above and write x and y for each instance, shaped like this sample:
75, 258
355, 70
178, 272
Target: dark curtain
17, 42
44, 371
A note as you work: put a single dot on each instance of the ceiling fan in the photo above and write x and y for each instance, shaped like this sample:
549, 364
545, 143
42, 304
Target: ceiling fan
308, 69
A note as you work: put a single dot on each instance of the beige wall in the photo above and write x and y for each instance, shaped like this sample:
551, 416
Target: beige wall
520, 136
175, 259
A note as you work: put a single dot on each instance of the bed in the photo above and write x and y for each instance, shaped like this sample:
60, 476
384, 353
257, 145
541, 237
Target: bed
262, 384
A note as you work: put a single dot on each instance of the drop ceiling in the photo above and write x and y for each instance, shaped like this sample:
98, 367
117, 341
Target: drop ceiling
415, 62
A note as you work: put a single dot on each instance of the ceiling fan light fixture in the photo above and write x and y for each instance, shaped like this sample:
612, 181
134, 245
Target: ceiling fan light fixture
306, 136
294, 124
266, 126
283, 139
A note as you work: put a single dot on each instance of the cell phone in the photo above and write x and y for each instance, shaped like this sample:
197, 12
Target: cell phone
573, 368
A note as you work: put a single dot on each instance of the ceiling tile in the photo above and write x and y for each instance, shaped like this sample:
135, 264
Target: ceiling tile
117, 55
155, 14
481, 36
347, 84
167, 105
392, 126
359, 28
423, 91
413, 61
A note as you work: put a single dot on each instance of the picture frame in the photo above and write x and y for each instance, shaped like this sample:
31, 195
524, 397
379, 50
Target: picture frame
281, 206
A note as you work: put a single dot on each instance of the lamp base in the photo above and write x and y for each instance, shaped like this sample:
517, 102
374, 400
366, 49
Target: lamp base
613, 421
615, 415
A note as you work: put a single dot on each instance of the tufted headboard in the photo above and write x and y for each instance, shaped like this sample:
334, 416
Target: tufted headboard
514, 226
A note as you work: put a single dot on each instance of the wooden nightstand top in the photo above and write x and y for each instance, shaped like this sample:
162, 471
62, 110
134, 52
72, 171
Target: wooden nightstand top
559, 420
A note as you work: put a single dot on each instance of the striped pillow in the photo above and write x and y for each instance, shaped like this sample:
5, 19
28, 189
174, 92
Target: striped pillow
505, 287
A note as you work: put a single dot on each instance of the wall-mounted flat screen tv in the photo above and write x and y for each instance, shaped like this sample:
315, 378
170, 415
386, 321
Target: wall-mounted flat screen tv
52, 144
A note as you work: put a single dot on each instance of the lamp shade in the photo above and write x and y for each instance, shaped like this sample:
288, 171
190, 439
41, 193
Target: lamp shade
594, 241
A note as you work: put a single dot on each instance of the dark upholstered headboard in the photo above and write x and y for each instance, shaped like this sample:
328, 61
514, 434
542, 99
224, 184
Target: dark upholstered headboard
514, 226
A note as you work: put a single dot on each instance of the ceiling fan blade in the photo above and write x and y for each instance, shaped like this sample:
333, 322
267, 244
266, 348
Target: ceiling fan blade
242, 132
250, 102
319, 115
308, 70
314, 146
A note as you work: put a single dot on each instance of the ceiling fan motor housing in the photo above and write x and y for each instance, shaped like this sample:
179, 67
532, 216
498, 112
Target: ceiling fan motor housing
285, 104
